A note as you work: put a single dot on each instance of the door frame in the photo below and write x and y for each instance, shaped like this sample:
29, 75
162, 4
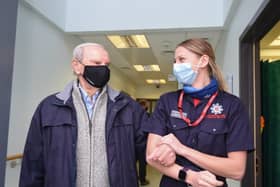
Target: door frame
250, 85
8, 20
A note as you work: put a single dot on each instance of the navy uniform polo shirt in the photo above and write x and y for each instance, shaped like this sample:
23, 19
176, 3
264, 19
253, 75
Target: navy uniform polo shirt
224, 129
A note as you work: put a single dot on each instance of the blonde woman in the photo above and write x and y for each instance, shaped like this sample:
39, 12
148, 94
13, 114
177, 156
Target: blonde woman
206, 127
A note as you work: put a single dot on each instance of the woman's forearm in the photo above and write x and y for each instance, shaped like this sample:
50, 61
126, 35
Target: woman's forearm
232, 166
171, 171
158, 156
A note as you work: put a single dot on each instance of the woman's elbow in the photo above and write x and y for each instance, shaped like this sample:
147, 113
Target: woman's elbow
238, 165
239, 174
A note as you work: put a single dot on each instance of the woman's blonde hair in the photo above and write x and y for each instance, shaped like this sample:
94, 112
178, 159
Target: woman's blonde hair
202, 47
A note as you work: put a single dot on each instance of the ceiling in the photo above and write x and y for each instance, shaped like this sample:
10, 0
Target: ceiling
268, 52
161, 51
162, 43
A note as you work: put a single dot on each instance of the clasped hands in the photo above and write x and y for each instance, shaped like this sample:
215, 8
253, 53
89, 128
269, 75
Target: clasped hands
166, 150
165, 155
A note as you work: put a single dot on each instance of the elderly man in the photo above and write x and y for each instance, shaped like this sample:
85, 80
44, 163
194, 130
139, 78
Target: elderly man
86, 135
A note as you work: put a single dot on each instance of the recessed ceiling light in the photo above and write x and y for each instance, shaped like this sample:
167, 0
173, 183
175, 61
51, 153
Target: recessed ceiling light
139, 67
140, 41
156, 81
275, 42
152, 67
129, 41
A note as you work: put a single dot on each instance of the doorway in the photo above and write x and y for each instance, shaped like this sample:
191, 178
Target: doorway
250, 88
270, 106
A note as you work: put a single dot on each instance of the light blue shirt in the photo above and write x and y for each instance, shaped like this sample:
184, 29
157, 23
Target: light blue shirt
89, 101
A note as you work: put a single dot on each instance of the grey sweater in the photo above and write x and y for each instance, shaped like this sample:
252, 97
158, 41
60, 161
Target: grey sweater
92, 167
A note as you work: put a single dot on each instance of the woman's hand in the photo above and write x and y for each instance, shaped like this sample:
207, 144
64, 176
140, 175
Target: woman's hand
202, 179
173, 142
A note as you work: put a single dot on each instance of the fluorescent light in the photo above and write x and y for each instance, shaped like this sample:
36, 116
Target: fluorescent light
155, 81
140, 41
152, 67
155, 67
139, 67
275, 42
150, 81
270, 53
118, 41
162, 81
129, 41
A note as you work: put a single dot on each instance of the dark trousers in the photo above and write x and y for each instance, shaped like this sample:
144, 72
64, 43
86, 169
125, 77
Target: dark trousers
141, 158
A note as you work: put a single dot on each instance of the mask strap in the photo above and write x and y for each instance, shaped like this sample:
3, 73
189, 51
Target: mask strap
198, 65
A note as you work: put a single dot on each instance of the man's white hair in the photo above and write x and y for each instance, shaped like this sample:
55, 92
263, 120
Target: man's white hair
78, 50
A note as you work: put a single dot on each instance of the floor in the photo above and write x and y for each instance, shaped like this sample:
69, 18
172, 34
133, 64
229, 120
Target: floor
153, 176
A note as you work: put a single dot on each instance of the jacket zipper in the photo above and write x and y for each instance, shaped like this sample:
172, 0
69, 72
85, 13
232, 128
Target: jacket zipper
90, 152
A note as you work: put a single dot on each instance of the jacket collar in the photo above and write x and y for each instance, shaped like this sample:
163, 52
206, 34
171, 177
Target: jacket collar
66, 94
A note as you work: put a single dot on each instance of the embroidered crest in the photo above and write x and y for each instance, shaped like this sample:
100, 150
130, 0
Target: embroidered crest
216, 108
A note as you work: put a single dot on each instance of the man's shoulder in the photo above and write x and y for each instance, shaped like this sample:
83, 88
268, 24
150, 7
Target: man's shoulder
125, 98
50, 100
51, 97
116, 95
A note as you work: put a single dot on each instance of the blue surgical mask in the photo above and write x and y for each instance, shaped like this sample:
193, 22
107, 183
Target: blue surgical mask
184, 73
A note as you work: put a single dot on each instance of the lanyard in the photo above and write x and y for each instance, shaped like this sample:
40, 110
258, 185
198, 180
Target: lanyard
203, 113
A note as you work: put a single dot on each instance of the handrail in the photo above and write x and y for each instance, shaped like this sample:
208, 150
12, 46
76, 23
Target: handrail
14, 157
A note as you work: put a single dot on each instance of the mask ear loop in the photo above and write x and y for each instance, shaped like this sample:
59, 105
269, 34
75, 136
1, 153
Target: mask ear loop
198, 65
78, 72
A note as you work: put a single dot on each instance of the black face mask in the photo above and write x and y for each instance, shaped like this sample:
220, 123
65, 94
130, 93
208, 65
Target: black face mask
97, 76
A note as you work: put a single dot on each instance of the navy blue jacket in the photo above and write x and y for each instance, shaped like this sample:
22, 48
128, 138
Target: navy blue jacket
50, 151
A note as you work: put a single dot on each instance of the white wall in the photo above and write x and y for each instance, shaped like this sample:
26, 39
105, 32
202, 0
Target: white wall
42, 66
226, 5
226, 8
227, 50
53, 10
107, 15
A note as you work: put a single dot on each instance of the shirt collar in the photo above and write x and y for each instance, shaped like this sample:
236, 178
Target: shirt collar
85, 96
